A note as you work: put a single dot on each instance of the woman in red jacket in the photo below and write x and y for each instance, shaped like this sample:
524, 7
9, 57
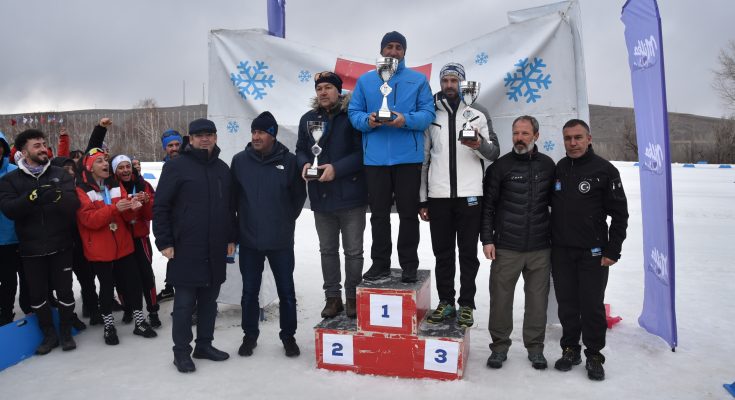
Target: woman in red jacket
103, 220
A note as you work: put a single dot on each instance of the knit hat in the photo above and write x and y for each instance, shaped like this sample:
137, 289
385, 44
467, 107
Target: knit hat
201, 125
455, 69
393, 37
120, 159
91, 156
170, 136
265, 122
328, 77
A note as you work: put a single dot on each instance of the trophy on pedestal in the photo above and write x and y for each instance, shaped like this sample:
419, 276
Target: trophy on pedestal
386, 67
468, 92
316, 130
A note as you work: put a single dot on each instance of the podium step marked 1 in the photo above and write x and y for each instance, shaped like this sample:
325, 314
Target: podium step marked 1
391, 335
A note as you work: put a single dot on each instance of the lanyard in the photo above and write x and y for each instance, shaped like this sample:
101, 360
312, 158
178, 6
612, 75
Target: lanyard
106, 196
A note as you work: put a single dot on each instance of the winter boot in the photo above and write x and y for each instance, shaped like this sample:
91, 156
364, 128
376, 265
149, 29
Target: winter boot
594, 367
496, 359
376, 273
443, 311
333, 307
50, 340
291, 348
110, 331
67, 341
409, 275
538, 361
351, 308
141, 327
247, 346
153, 320
209, 352
569, 358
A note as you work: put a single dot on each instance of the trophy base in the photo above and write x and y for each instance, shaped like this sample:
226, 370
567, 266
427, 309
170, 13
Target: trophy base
467, 134
384, 115
313, 173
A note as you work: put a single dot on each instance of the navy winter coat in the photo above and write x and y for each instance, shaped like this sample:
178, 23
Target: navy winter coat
194, 214
342, 147
269, 195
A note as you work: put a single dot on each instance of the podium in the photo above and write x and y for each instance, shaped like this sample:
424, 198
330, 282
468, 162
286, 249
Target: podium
391, 335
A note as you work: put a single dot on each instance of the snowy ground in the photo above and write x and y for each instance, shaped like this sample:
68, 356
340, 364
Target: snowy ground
639, 366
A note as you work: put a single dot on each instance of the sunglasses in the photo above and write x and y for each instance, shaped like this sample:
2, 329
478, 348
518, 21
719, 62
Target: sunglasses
324, 74
96, 150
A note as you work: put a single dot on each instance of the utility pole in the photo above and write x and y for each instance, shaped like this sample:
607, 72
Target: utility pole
183, 92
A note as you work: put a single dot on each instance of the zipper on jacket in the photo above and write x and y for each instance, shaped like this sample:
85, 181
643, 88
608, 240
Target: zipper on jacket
529, 208
452, 117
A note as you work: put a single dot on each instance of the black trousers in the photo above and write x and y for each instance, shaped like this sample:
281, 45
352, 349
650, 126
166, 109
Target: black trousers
186, 299
455, 221
85, 276
143, 259
385, 184
124, 273
54, 270
10, 268
580, 282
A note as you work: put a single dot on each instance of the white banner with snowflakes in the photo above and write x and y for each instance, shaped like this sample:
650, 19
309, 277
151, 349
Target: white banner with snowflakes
533, 66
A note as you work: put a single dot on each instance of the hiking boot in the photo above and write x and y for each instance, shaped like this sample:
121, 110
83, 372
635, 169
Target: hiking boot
153, 320
496, 359
351, 308
292, 349
538, 361
209, 352
569, 358
166, 294
67, 341
77, 323
594, 367
184, 363
443, 311
145, 330
333, 307
464, 317
50, 341
376, 273
111, 335
409, 276
247, 346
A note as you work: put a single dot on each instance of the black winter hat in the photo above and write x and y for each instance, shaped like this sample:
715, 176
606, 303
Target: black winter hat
201, 125
329, 77
392, 37
265, 122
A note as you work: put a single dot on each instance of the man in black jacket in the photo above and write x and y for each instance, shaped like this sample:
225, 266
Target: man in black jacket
270, 195
42, 201
587, 190
515, 234
339, 196
194, 226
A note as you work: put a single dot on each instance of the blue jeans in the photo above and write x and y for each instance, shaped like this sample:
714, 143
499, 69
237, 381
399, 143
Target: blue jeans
185, 300
351, 223
251, 267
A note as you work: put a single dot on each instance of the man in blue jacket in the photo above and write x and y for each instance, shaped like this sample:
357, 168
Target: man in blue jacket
8, 248
194, 226
393, 154
339, 197
269, 195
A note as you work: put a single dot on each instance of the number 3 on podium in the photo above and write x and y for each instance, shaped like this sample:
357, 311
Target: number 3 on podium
441, 355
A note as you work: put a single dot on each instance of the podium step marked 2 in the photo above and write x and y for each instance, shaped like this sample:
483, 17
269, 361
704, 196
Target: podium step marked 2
391, 335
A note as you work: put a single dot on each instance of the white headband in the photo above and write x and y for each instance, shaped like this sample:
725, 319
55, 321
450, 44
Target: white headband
118, 159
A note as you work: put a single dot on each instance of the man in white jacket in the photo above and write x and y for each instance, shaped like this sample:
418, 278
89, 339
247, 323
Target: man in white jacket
451, 194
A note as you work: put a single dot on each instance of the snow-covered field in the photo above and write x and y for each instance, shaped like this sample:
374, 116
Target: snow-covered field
639, 365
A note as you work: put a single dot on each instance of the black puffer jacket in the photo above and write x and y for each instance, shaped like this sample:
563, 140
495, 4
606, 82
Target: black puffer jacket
42, 229
515, 210
588, 189
194, 213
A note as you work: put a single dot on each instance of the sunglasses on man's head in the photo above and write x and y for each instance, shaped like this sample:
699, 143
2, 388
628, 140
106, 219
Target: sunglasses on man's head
320, 75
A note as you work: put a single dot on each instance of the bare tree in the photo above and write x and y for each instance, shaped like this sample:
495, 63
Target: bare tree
724, 82
630, 140
724, 146
148, 122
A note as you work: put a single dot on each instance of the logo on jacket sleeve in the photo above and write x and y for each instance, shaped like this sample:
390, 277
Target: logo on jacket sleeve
584, 187
280, 166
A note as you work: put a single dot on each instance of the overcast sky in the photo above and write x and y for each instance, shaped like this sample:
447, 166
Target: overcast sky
74, 54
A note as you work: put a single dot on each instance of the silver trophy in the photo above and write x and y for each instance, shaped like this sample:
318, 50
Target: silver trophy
316, 130
468, 92
386, 67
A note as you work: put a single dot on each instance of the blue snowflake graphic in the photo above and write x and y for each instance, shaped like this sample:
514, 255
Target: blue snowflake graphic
549, 145
252, 80
527, 80
304, 76
233, 127
481, 58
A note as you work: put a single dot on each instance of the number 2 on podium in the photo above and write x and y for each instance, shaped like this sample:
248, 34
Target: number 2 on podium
337, 349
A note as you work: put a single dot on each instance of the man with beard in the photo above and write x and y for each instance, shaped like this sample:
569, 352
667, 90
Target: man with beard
451, 194
40, 199
515, 234
141, 191
269, 195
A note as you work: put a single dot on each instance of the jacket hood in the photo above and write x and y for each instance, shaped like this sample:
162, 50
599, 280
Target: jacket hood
6, 146
343, 102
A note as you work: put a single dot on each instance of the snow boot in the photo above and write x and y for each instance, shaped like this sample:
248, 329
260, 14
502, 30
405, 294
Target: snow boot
496, 359
570, 357
333, 307
50, 341
594, 367
538, 361
67, 341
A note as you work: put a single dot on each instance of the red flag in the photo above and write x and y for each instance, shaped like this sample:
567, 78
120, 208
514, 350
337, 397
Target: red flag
13, 122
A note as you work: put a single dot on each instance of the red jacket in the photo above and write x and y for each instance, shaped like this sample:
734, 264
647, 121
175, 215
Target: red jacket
144, 215
94, 218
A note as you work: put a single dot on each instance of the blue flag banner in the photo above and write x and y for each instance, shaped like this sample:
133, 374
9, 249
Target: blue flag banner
646, 58
277, 18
